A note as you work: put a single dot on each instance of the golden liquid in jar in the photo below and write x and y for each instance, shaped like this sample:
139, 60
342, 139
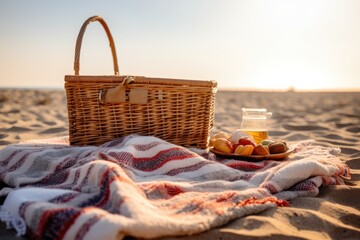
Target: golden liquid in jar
258, 135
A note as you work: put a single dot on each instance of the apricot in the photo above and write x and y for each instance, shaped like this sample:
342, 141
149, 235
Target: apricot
223, 145
217, 136
244, 150
260, 150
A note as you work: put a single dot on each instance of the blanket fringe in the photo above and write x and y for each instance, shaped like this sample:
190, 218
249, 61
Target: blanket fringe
12, 221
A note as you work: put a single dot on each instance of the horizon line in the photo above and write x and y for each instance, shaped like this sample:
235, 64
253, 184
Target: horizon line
225, 89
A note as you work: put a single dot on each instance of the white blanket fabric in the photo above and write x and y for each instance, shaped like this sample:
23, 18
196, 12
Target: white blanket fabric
146, 187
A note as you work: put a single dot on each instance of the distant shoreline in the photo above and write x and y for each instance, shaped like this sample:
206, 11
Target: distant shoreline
345, 90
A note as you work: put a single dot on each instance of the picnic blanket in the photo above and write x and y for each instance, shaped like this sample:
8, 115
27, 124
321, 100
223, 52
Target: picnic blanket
145, 187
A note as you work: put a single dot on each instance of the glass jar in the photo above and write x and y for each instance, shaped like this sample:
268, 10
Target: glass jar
254, 122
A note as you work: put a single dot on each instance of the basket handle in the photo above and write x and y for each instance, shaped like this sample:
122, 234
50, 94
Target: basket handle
79, 42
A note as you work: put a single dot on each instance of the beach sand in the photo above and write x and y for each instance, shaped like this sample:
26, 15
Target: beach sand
332, 119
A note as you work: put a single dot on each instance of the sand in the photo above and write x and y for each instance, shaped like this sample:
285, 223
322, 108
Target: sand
332, 119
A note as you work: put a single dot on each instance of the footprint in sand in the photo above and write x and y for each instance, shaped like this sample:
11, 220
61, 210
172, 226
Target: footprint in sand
16, 129
342, 125
3, 135
54, 130
297, 137
51, 123
4, 143
353, 129
277, 133
304, 127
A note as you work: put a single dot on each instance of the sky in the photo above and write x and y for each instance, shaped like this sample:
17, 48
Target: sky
255, 44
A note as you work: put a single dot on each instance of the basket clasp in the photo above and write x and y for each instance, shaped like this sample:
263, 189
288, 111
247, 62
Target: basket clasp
118, 93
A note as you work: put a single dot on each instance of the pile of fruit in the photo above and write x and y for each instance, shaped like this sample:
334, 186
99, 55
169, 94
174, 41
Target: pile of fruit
242, 143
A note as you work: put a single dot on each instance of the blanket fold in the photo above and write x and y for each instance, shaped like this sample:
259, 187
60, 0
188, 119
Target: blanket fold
145, 187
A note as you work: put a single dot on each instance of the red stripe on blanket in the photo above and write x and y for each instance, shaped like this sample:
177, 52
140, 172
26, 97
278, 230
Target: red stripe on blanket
148, 164
226, 197
270, 187
191, 168
245, 166
49, 222
88, 224
105, 190
173, 190
108, 177
161, 190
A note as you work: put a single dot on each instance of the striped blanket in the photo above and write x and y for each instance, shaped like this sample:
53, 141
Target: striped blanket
146, 187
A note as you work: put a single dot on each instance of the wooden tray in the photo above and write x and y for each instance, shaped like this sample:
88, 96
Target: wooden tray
253, 158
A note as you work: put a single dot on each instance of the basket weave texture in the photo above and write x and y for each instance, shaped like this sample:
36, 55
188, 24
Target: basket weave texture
179, 111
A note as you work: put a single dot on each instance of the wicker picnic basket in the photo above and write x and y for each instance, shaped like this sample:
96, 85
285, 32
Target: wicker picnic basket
102, 108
